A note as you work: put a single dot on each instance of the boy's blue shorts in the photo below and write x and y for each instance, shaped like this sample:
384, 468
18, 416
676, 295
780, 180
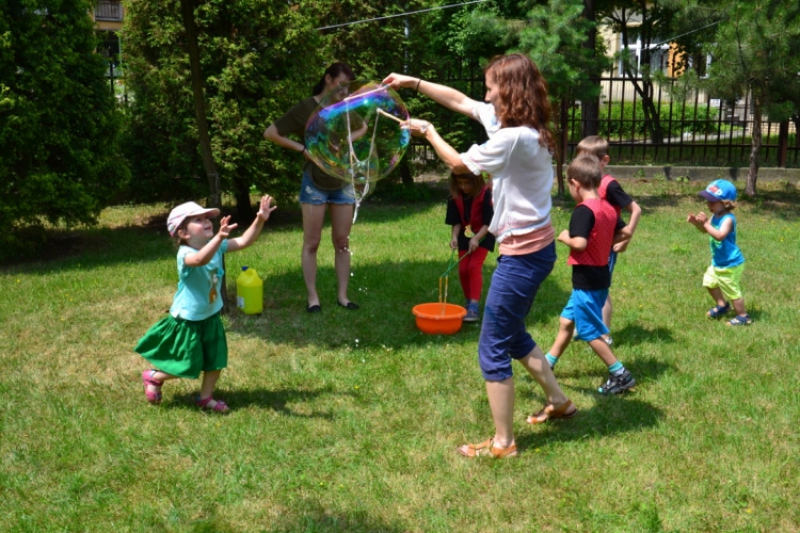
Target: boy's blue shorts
585, 309
503, 333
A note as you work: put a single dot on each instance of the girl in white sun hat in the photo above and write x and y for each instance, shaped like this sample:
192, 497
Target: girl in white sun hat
191, 339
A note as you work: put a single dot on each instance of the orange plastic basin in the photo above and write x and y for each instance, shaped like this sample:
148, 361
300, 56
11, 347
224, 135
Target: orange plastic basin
439, 318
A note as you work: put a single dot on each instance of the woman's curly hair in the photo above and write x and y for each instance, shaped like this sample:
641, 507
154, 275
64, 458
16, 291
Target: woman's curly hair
523, 95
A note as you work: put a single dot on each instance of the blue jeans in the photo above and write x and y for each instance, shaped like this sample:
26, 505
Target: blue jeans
503, 333
311, 194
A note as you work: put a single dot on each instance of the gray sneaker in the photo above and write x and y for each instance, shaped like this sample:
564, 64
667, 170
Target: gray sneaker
617, 384
472, 313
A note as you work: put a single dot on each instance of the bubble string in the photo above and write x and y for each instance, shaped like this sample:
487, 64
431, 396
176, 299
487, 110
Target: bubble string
353, 160
380, 88
356, 196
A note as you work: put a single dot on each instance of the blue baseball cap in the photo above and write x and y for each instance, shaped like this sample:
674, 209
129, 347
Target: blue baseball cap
719, 190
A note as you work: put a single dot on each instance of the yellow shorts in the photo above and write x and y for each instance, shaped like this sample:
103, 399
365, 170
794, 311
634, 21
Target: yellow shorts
728, 280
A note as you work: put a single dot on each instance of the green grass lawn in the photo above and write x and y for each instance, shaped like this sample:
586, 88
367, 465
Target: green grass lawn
348, 421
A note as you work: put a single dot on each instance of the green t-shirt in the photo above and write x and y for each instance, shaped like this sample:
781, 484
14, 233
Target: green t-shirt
294, 122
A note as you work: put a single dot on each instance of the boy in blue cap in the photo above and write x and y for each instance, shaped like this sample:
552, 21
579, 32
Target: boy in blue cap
723, 277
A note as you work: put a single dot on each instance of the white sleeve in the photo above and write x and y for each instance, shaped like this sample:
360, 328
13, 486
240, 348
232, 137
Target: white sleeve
484, 113
491, 156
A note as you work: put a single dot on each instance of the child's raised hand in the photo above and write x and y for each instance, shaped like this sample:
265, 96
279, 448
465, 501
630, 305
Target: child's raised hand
697, 220
563, 236
225, 228
265, 208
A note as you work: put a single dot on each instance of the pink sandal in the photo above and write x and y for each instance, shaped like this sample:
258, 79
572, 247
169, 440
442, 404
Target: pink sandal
154, 397
219, 405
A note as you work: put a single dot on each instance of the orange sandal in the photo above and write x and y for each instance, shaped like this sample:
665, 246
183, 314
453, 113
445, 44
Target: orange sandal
549, 411
485, 449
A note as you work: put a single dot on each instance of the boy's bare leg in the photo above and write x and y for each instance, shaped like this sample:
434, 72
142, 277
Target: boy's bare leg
738, 305
566, 328
603, 351
716, 293
607, 312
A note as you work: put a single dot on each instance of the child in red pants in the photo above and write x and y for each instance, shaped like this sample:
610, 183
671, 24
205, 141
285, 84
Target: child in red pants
469, 212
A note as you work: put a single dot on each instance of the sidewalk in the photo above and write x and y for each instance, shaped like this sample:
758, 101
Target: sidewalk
702, 173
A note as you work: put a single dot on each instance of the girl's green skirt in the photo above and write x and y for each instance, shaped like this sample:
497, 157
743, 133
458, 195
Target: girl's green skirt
184, 348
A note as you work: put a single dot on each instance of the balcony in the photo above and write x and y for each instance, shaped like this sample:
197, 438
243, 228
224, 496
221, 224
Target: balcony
108, 10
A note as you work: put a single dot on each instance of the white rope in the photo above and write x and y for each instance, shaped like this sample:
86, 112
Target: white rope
398, 15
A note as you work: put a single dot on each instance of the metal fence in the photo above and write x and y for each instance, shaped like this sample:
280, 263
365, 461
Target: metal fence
692, 128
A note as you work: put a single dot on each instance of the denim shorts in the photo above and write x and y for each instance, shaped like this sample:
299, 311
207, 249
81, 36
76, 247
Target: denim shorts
311, 194
503, 333
585, 309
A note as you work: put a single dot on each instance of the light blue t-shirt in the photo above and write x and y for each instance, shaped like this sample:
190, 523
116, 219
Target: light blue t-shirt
725, 253
199, 293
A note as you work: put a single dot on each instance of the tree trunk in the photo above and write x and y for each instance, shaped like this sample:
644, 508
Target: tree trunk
590, 109
244, 206
187, 10
561, 152
651, 117
752, 172
405, 173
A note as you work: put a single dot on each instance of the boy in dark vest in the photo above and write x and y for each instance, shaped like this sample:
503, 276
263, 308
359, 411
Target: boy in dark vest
593, 230
611, 191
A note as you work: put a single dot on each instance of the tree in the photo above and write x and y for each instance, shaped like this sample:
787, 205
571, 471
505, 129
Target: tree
757, 52
378, 38
59, 125
553, 34
257, 58
651, 22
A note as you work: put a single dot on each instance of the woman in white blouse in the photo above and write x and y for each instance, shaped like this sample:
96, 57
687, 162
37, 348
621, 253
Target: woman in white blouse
518, 156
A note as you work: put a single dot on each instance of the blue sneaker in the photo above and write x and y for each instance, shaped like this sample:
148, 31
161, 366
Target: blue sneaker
472, 313
617, 384
740, 320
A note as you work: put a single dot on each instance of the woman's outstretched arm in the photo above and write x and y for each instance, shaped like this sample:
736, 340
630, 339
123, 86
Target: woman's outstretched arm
447, 96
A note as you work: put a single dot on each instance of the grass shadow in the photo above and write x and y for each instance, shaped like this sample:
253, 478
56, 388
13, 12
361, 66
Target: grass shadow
644, 370
275, 400
635, 334
146, 238
609, 416
310, 517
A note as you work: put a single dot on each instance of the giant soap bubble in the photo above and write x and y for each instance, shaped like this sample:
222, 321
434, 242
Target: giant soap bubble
355, 133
